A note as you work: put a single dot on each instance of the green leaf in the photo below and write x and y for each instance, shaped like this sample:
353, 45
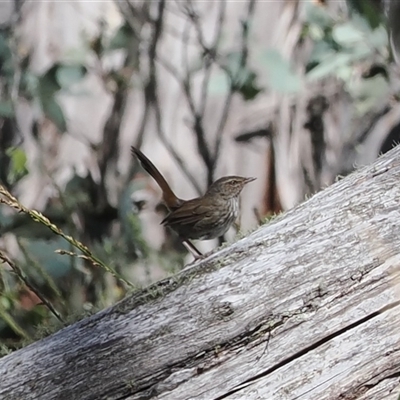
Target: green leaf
321, 51
379, 37
29, 85
5, 52
53, 111
368, 10
347, 34
244, 80
329, 66
77, 55
122, 39
18, 164
360, 52
48, 83
6, 302
48, 86
280, 75
67, 75
6, 109
337, 63
318, 15
18, 158
315, 32
7, 67
345, 72
368, 94
234, 63
248, 87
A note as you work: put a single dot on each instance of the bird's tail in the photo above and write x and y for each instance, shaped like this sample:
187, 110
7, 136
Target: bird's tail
169, 197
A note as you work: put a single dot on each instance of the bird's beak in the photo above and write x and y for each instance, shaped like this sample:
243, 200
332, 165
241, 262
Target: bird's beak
248, 180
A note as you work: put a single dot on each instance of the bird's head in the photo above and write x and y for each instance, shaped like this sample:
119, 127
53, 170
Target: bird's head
229, 186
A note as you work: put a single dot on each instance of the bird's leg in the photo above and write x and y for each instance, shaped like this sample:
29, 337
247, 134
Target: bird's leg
191, 248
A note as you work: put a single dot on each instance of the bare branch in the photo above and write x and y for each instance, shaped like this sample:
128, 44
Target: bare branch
210, 59
212, 56
197, 124
243, 60
152, 96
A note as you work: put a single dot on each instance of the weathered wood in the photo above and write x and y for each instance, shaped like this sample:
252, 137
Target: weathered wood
306, 307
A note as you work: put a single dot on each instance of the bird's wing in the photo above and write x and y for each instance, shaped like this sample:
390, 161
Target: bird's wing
189, 214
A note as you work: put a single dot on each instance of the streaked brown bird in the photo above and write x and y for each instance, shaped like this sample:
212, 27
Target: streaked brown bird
206, 217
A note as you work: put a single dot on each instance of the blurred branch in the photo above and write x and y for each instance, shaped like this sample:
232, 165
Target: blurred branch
171, 148
111, 132
243, 60
132, 15
197, 108
211, 56
316, 109
392, 9
198, 112
108, 148
152, 96
249, 136
210, 59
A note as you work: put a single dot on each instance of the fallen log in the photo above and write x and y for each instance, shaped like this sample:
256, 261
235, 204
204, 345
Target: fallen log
305, 307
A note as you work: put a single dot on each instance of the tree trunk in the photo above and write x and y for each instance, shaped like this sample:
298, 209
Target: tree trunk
306, 307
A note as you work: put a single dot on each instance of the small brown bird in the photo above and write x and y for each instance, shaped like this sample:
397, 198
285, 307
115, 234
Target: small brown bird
205, 217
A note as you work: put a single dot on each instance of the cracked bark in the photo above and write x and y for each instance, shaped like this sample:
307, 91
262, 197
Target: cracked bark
306, 307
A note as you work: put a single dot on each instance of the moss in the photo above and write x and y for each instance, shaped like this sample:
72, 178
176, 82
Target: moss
4, 350
168, 285
131, 385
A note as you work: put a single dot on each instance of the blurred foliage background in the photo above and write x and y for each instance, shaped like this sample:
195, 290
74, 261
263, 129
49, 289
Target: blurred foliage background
296, 93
